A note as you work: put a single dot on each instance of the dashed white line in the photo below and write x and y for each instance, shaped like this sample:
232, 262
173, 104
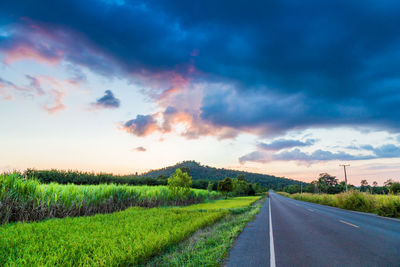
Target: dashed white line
311, 210
349, 223
271, 239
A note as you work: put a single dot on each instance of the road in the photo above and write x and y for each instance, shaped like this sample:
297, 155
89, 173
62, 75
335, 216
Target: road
307, 234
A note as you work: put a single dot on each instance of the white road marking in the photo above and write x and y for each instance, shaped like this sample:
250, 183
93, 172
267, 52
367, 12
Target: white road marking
271, 239
349, 223
310, 210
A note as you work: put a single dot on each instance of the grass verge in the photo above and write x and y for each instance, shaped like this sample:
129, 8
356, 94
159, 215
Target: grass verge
210, 246
383, 205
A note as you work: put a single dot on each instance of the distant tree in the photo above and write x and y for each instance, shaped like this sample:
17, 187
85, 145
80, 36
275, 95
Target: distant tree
364, 185
327, 179
240, 177
180, 182
388, 183
395, 188
225, 186
374, 183
326, 183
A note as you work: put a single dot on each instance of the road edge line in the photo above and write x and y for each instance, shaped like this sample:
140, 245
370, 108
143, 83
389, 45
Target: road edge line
271, 239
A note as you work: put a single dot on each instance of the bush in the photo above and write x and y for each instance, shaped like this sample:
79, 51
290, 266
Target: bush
384, 205
355, 200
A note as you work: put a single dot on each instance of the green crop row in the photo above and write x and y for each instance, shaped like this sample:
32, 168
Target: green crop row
29, 200
384, 205
124, 238
120, 239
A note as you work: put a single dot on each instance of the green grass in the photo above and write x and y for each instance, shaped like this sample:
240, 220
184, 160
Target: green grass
29, 200
128, 237
384, 205
232, 203
209, 246
118, 239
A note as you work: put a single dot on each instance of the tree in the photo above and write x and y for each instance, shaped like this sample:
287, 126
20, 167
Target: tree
326, 183
364, 184
388, 183
395, 188
180, 182
374, 183
225, 186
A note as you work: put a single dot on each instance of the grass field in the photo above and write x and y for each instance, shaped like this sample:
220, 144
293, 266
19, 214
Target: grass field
118, 239
122, 238
237, 202
29, 200
384, 205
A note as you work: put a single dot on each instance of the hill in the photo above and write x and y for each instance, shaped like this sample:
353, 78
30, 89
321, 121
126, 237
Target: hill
201, 172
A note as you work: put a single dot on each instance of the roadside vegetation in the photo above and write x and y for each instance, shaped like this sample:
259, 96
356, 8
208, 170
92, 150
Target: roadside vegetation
24, 199
329, 184
383, 205
210, 246
129, 237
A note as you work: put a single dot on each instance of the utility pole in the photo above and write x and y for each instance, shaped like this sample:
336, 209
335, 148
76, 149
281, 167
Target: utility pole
345, 174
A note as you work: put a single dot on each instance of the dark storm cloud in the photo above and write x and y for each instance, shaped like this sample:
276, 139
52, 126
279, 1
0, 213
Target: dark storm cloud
289, 65
107, 101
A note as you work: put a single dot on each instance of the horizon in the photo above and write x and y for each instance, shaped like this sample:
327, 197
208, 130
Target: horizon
310, 179
272, 88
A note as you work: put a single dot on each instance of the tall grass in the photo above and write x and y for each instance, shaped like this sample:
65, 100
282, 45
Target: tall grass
384, 205
29, 200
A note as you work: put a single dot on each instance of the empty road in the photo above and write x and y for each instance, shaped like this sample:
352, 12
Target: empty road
307, 234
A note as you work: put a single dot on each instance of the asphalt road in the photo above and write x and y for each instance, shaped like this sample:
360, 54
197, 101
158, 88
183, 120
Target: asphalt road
307, 234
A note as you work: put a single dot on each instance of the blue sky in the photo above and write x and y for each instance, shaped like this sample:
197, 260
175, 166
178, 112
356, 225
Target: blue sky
281, 87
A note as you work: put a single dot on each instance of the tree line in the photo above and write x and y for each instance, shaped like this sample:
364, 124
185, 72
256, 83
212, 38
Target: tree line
329, 184
240, 186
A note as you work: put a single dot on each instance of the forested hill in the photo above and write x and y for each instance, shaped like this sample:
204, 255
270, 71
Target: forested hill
200, 172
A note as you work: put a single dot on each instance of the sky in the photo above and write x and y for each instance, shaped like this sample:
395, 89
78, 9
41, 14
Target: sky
286, 88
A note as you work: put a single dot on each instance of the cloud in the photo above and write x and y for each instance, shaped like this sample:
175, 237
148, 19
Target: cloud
185, 123
384, 151
140, 149
107, 101
296, 67
57, 104
142, 125
285, 143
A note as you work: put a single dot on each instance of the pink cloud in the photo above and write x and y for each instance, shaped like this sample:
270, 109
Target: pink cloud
22, 52
57, 104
